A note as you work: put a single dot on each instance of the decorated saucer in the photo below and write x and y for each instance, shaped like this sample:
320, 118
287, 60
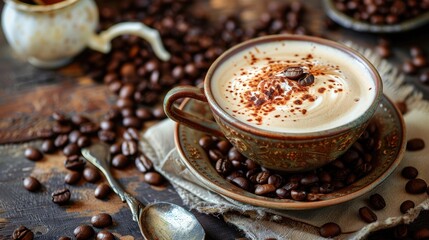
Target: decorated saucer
389, 153
349, 22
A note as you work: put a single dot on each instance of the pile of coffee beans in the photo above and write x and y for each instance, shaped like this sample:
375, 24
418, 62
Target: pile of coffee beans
307, 186
382, 12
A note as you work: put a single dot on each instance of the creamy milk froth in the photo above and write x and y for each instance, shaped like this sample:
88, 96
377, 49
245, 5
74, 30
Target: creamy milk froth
251, 86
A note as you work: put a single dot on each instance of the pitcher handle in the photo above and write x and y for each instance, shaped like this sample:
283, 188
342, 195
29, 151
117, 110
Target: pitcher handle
102, 41
185, 118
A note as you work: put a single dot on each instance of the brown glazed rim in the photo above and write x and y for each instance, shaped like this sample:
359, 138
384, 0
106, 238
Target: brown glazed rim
298, 136
40, 8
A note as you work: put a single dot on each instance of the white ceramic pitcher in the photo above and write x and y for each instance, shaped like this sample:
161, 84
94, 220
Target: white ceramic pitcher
49, 36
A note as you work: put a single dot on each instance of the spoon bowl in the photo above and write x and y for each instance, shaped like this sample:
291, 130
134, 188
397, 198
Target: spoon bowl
160, 220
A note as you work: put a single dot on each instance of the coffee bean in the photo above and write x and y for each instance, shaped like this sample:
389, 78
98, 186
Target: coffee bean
74, 163
102, 191
416, 186
234, 154
367, 215
45, 133
72, 177
71, 149
408, 67
107, 125
83, 232
129, 148
159, 113
144, 114
101, 220
48, 146
242, 183
223, 166
61, 140
422, 233
215, 154
406, 205
419, 61
107, 136
329, 230
400, 231
120, 161
282, 193
105, 235
60, 117
153, 178
132, 122
64, 238
88, 128
275, 180
62, 128
115, 148
79, 119
224, 146
307, 80
143, 163
91, 174
264, 189
377, 202
83, 141
262, 177
33, 154
309, 179
61, 196
415, 144
409, 172
298, 195
22, 233
32, 184
416, 51
294, 73
383, 51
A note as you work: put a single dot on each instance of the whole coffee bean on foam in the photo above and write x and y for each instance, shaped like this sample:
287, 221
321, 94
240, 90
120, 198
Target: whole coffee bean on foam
329, 230
33, 154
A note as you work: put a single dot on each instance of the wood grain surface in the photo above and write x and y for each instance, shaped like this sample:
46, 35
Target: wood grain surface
28, 96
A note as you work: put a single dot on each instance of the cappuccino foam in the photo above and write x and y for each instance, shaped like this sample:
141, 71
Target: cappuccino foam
252, 87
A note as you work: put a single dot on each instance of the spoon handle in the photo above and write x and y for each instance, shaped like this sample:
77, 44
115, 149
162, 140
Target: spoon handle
99, 156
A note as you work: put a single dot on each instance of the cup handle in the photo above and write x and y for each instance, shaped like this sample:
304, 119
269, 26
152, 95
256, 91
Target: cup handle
102, 44
185, 118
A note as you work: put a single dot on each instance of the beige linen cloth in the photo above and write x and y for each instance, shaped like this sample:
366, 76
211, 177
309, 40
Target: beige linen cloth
262, 223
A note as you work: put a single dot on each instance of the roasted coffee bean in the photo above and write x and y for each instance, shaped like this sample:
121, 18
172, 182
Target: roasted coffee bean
329, 230
383, 51
262, 177
325, 177
309, 179
400, 231
33, 154
234, 154
408, 67
206, 142
153, 178
416, 51
275, 180
72, 177
83, 232
224, 146
74, 136
144, 114
62, 128
143, 163
416, 186
48, 146
60, 117
421, 234
88, 128
129, 148
282, 193
71, 149
101, 220
127, 90
79, 119
61, 140
294, 73
376, 201
61, 196
367, 215
159, 113
131, 134
64, 238
250, 164
406, 205
326, 188
415, 144
223, 166
115, 148
102, 191
307, 80
83, 141
419, 61
215, 154
298, 195
22, 233
409, 172
45, 133
127, 112
91, 174
120, 161
75, 163
107, 125
107, 136
242, 183
264, 189
105, 235
32, 184
132, 122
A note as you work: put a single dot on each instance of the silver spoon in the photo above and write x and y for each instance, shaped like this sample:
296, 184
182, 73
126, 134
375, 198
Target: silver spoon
159, 220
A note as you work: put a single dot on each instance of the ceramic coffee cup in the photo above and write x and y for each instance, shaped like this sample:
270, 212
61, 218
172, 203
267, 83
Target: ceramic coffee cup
49, 36
282, 123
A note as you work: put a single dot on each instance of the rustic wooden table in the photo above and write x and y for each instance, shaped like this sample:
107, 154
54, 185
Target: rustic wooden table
28, 96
